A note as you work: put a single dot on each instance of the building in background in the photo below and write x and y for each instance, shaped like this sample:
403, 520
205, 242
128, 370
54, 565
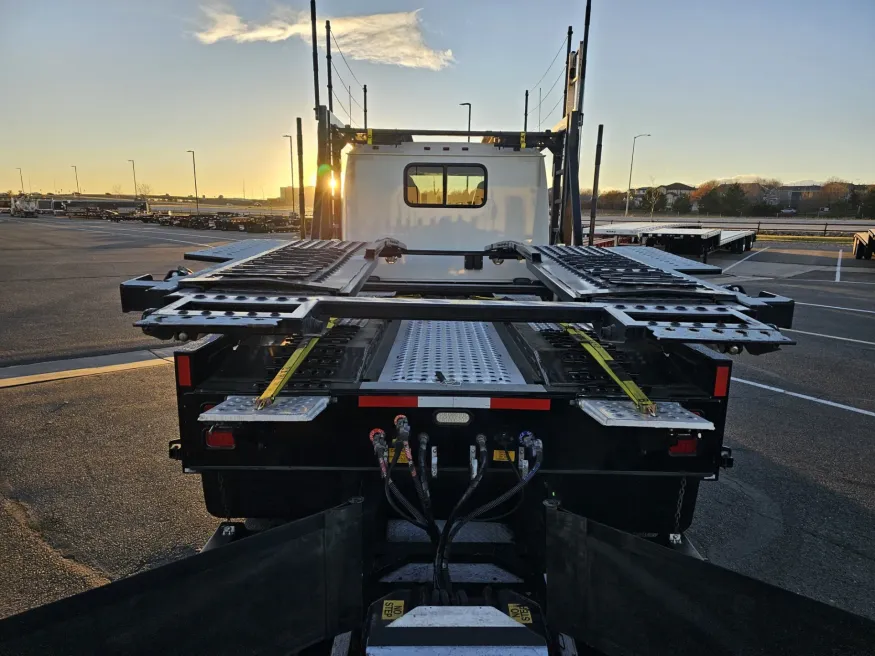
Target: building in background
288, 195
673, 190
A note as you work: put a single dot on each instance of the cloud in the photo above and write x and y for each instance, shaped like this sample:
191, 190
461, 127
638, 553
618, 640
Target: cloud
394, 39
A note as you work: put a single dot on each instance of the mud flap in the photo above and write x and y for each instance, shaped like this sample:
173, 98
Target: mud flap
625, 595
274, 592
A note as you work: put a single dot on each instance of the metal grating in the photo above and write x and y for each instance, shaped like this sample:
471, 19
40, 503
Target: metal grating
285, 408
607, 269
308, 261
624, 413
462, 351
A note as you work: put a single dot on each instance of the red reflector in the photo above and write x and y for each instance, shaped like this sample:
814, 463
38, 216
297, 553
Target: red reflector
721, 381
519, 404
685, 447
388, 401
220, 439
183, 371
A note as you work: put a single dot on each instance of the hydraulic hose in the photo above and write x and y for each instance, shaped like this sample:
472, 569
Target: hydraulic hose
537, 448
378, 439
439, 574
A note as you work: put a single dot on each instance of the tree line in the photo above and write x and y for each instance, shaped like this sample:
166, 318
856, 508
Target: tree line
751, 199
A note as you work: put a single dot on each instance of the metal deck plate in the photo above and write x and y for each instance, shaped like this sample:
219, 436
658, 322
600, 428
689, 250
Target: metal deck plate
657, 258
235, 250
624, 413
465, 352
285, 408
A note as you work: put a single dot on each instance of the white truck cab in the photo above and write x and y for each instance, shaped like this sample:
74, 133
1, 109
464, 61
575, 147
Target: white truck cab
449, 196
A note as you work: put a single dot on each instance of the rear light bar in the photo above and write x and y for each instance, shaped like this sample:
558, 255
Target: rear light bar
460, 402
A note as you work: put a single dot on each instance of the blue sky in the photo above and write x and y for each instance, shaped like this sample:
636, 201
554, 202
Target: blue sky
777, 88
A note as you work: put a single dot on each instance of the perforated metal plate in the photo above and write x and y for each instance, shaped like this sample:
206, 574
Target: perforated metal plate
465, 352
285, 408
624, 413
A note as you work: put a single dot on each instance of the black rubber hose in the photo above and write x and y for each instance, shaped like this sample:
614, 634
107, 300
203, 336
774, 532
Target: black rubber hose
438, 559
491, 505
415, 517
417, 483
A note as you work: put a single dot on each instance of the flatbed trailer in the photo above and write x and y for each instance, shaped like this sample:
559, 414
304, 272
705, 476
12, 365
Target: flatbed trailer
699, 242
864, 244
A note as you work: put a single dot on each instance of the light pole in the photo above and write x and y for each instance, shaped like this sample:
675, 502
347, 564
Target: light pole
292, 169
76, 171
469, 119
631, 164
197, 205
20, 177
134, 168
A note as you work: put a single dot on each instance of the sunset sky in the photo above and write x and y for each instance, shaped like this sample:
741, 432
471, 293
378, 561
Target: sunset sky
777, 88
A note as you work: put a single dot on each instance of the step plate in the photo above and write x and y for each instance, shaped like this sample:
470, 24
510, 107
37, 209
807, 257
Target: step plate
285, 408
624, 413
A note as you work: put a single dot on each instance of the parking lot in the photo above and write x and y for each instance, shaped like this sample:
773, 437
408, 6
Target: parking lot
87, 493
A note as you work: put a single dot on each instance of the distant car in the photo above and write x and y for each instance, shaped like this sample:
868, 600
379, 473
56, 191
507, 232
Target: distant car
788, 211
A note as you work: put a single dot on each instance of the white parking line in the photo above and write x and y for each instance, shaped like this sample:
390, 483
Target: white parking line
839, 267
745, 259
815, 399
836, 307
843, 339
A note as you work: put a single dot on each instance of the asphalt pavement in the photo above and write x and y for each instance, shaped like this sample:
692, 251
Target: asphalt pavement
87, 493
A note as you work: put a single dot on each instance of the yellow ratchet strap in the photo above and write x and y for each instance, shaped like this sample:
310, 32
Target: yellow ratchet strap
600, 355
289, 368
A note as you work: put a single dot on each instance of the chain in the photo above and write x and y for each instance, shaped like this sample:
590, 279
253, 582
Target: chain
677, 512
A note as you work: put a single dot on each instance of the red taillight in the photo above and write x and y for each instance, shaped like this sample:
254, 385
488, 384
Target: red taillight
220, 438
721, 382
686, 446
183, 371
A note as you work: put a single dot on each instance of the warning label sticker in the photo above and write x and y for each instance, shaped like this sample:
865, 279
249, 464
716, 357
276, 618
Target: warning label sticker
500, 455
519, 612
402, 459
393, 609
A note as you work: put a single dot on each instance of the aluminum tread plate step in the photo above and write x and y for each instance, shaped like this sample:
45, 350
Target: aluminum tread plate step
657, 258
285, 408
624, 413
465, 352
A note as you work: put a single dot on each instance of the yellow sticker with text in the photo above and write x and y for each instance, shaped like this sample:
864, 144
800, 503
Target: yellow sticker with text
520, 613
500, 455
402, 459
393, 609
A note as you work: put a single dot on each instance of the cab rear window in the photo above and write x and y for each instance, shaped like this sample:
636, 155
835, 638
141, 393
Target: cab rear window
445, 185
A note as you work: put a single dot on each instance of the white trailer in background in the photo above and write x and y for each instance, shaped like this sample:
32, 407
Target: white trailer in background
681, 238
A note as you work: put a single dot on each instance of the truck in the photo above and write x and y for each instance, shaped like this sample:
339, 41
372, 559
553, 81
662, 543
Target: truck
23, 206
451, 427
478, 440
864, 244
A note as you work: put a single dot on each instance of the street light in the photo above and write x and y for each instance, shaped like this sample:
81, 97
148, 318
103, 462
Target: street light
194, 171
469, 119
629, 191
21, 177
292, 169
76, 171
135, 177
